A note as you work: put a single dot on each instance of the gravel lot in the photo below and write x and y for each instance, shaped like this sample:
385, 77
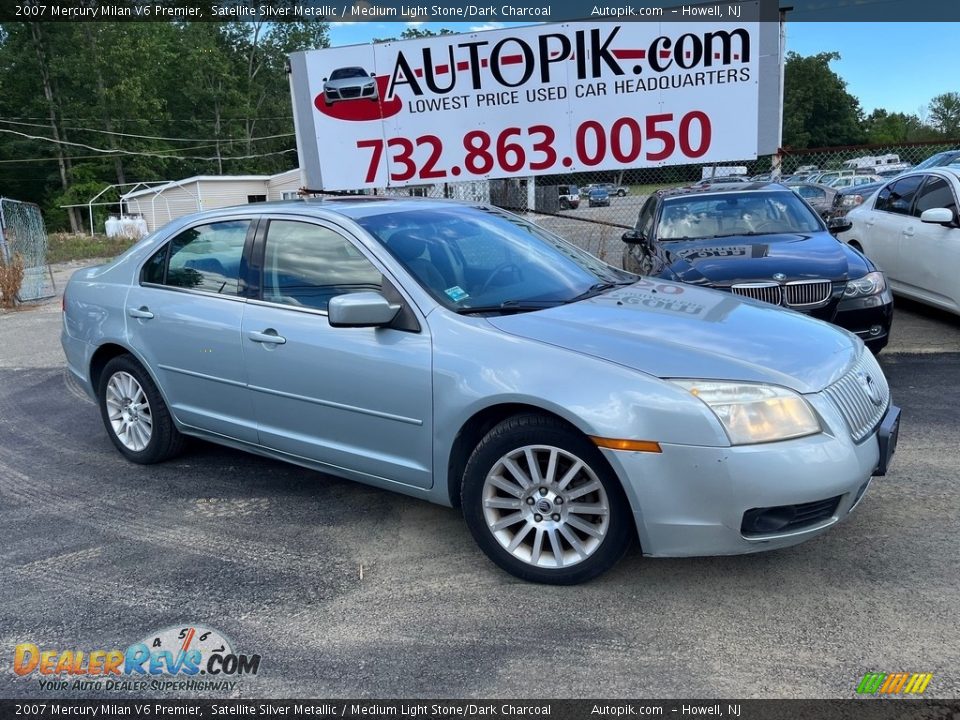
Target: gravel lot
347, 591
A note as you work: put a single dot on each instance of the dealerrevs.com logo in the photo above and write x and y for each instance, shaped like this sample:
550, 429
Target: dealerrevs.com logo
190, 658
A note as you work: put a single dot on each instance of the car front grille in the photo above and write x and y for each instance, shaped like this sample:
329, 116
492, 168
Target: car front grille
350, 92
806, 293
862, 396
767, 292
787, 518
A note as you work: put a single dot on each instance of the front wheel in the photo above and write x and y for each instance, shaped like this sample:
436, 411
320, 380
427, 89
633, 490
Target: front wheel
542, 503
134, 413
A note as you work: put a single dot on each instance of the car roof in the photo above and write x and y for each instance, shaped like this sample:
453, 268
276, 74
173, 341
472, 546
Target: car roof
353, 207
723, 189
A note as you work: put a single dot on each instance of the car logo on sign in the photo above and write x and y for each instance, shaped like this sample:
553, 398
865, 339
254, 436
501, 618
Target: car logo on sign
779, 277
873, 392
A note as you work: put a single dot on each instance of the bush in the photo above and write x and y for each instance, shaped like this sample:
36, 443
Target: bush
11, 276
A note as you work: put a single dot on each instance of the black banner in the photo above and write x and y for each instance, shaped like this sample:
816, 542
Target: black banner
525, 11
854, 709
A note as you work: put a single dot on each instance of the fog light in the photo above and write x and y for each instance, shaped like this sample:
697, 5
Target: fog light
875, 329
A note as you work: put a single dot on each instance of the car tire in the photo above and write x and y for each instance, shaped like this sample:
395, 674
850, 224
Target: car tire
564, 204
134, 413
554, 537
621, 193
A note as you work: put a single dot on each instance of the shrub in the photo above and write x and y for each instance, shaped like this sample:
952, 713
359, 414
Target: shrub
11, 276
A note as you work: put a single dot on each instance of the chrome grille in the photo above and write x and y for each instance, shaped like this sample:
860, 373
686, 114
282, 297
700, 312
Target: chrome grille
768, 292
808, 292
851, 397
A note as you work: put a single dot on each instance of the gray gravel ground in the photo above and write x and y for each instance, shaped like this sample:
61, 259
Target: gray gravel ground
98, 552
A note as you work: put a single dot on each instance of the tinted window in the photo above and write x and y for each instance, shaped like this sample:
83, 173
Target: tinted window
208, 257
936, 193
811, 193
898, 195
154, 267
645, 221
306, 265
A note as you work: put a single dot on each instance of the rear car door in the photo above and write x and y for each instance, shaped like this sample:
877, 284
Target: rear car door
184, 318
886, 223
929, 253
355, 399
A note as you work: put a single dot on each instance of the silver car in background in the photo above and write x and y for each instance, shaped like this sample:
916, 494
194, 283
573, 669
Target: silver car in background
349, 83
462, 355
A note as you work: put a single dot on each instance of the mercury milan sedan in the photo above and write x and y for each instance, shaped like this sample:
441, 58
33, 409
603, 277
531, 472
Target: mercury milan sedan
762, 241
462, 355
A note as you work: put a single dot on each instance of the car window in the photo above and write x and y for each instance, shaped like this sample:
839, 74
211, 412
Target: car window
811, 193
897, 197
305, 265
645, 221
206, 257
936, 193
695, 217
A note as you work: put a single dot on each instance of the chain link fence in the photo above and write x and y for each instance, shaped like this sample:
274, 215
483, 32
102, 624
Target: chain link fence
23, 235
563, 203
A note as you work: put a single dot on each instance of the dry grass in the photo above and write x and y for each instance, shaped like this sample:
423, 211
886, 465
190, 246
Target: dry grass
11, 277
62, 247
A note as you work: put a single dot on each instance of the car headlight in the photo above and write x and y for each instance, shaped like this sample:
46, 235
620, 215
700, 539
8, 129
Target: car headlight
870, 284
753, 413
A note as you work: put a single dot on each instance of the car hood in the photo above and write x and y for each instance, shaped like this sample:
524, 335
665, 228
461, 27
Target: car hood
756, 258
671, 330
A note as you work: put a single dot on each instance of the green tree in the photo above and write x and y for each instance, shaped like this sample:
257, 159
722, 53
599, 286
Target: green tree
817, 109
884, 127
945, 114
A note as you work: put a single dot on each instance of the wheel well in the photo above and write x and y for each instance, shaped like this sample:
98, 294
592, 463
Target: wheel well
472, 433
103, 355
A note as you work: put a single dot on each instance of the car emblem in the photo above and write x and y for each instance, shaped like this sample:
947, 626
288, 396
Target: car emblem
873, 392
779, 277
544, 506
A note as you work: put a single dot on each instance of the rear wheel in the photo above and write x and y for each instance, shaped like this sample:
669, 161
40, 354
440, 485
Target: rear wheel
542, 503
134, 413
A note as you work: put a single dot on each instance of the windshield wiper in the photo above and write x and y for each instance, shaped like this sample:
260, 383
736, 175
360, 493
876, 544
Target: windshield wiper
509, 306
597, 289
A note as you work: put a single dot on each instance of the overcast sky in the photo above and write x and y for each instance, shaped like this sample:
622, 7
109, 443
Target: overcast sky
897, 66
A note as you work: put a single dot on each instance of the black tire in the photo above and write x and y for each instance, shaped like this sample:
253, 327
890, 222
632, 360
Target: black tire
537, 430
165, 440
564, 204
621, 193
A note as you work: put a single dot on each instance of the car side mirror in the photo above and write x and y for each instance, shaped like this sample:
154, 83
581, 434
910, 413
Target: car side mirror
324, 80
373, 74
937, 216
633, 237
838, 225
361, 309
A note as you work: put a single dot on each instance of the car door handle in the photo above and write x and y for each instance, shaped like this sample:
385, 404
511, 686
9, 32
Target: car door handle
142, 312
267, 336
909, 231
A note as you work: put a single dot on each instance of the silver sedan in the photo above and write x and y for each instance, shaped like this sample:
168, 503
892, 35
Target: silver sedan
464, 356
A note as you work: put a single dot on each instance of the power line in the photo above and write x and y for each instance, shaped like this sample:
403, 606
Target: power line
143, 153
155, 137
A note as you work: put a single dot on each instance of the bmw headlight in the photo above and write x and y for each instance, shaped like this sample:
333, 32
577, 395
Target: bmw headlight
753, 413
870, 284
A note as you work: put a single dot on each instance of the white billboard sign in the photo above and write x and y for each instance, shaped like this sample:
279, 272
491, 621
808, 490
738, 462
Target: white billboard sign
535, 100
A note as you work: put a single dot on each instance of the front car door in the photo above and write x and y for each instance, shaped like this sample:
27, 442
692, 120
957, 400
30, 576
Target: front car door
930, 254
353, 399
886, 223
183, 319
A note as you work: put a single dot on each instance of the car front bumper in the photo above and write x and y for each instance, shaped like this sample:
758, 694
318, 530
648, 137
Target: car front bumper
692, 501
869, 318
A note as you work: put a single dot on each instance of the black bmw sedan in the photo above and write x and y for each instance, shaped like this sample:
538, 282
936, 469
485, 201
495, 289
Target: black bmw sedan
761, 241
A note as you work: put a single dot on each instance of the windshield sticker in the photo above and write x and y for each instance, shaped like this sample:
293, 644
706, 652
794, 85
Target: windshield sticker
456, 293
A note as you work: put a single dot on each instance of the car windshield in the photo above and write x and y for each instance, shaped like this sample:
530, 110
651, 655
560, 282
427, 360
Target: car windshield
696, 217
471, 258
938, 160
344, 73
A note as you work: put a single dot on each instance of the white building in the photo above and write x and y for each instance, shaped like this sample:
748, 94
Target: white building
160, 204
